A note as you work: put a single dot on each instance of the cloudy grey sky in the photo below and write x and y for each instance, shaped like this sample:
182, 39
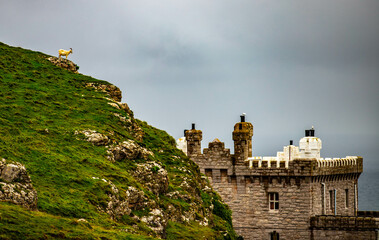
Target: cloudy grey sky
287, 64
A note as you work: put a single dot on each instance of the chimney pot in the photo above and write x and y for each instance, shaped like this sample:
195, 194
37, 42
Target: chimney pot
310, 133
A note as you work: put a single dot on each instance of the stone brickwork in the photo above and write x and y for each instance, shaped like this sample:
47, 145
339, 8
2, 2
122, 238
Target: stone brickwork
242, 134
338, 227
194, 138
248, 197
282, 194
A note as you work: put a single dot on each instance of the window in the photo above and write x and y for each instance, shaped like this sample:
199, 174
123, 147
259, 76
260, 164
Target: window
331, 200
273, 199
346, 198
274, 235
208, 172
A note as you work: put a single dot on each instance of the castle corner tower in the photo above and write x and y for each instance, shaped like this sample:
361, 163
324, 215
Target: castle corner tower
193, 138
242, 137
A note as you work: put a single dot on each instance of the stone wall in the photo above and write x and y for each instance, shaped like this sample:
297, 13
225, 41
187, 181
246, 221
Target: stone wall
338, 227
343, 235
248, 197
323, 194
215, 156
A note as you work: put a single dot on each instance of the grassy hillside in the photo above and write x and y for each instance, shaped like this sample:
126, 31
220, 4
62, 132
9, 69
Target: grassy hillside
42, 109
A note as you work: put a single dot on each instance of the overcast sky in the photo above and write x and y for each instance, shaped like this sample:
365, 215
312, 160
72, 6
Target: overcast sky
287, 64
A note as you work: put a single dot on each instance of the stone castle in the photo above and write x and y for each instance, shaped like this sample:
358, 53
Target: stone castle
295, 195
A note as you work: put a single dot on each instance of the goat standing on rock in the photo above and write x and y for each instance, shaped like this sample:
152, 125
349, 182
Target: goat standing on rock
64, 52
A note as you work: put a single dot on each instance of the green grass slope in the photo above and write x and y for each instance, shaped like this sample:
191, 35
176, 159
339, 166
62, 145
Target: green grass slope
41, 107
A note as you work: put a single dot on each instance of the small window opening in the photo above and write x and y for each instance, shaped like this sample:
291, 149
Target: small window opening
346, 198
273, 200
240, 126
331, 200
208, 172
274, 235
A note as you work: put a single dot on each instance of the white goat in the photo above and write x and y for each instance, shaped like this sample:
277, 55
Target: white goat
64, 52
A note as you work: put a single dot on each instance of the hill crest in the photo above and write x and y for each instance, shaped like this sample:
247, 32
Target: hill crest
89, 159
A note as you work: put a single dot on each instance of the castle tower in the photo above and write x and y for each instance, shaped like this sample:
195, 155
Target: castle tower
193, 138
242, 134
310, 146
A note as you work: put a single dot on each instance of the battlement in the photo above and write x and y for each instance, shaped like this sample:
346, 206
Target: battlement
328, 166
217, 148
350, 164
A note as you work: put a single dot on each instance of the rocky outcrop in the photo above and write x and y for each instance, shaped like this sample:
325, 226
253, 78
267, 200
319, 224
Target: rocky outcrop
153, 175
117, 206
122, 203
115, 97
113, 91
125, 107
136, 198
16, 185
64, 63
156, 220
128, 150
94, 137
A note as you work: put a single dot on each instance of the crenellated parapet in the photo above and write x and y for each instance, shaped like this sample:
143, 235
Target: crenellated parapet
216, 149
215, 156
338, 166
328, 166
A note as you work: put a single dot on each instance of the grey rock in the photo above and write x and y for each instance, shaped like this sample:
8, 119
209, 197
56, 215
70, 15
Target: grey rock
113, 91
16, 186
64, 63
154, 176
128, 150
94, 137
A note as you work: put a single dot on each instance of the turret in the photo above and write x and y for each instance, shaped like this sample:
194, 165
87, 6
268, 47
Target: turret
193, 138
242, 137
181, 143
310, 146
